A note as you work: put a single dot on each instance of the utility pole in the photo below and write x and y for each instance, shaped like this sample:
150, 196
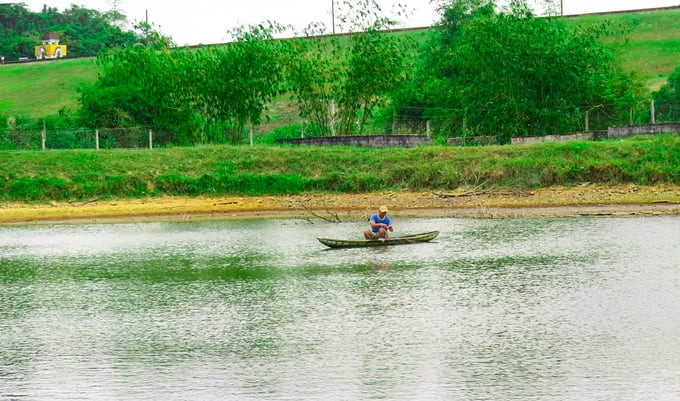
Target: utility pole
333, 14
115, 5
562, 8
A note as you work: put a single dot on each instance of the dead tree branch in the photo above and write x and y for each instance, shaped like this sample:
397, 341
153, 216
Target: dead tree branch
335, 218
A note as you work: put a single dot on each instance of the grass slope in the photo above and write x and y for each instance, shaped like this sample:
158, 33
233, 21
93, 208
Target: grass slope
39, 89
647, 44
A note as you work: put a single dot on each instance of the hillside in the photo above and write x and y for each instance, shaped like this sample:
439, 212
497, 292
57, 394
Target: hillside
42, 88
645, 43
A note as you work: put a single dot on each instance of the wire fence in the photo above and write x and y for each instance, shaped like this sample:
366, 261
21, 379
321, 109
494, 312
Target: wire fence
19, 138
588, 119
450, 123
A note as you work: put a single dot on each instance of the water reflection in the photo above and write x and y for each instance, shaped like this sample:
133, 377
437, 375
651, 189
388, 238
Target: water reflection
543, 309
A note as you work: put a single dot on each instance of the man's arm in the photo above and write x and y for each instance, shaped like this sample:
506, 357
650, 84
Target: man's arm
374, 223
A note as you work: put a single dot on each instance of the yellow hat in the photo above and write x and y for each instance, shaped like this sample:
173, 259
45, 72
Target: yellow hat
382, 209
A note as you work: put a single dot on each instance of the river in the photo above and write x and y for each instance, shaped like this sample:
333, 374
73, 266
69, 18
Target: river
493, 309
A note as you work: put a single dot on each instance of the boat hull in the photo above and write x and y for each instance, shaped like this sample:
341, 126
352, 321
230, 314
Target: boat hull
408, 239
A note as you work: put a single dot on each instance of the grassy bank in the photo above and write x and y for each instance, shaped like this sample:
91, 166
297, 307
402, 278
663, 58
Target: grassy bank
29, 176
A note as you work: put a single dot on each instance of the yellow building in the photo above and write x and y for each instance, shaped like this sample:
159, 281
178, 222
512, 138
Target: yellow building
50, 47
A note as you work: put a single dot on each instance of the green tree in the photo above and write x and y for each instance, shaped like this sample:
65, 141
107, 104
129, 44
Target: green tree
87, 32
508, 73
245, 76
206, 95
84, 31
16, 36
667, 98
150, 37
357, 74
140, 86
313, 75
375, 68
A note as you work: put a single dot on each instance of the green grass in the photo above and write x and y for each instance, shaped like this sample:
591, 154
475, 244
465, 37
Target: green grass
33, 176
647, 44
39, 89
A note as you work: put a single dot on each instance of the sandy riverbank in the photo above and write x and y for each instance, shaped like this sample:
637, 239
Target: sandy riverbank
624, 200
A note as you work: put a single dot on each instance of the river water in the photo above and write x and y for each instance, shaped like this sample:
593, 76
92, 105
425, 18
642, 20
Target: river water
514, 309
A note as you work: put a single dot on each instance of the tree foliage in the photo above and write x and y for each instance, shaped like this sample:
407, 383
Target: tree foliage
313, 76
507, 72
357, 73
204, 95
375, 68
84, 31
667, 98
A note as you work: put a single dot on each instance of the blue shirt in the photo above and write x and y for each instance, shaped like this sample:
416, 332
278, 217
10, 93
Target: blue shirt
376, 219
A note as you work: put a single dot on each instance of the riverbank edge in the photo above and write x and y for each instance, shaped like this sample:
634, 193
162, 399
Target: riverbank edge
583, 200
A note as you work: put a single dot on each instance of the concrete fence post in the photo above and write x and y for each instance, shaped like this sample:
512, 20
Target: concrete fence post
394, 123
587, 122
44, 136
653, 113
333, 117
251, 136
427, 129
150, 139
96, 139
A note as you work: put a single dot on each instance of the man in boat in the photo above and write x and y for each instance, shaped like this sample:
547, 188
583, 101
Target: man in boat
380, 225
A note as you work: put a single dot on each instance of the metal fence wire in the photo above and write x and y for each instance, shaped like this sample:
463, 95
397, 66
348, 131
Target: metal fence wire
20, 138
446, 123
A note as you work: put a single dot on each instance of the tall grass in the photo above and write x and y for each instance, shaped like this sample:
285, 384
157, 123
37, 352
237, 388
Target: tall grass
34, 176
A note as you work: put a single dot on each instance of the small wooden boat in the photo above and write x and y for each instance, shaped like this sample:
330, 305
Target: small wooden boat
408, 239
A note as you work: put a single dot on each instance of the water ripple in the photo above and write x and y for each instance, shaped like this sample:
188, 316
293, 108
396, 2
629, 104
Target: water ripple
525, 309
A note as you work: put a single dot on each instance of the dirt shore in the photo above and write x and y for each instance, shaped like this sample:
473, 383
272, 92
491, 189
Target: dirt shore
621, 200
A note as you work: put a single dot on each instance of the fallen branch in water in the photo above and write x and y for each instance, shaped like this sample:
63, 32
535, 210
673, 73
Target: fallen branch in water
336, 218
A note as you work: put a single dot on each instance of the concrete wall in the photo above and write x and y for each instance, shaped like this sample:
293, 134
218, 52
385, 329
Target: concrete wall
612, 133
581, 136
372, 141
650, 129
472, 140
405, 141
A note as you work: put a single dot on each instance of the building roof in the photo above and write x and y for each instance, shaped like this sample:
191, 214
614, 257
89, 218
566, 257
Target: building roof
50, 36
